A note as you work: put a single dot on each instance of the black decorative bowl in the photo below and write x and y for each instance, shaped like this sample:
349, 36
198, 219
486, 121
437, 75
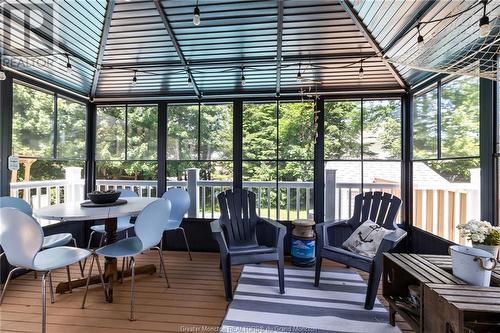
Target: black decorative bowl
106, 197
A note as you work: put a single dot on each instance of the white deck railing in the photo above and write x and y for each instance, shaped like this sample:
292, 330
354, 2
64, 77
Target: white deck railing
436, 209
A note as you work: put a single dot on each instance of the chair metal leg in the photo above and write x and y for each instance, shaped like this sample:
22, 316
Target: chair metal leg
79, 263
161, 249
102, 240
186, 241
52, 298
162, 264
132, 291
69, 279
7, 283
88, 247
88, 281
44, 302
102, 277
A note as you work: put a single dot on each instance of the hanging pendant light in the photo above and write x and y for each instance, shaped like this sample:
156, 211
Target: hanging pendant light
69, 68
242, 78
484, 22
134, 79
196, 15
420, 38
299, 75
361, 72
190, 82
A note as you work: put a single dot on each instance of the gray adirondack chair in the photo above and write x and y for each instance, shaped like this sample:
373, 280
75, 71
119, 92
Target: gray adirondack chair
379, 207
241, 236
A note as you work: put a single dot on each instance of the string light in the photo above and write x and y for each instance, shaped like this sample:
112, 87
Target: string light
190, 82
420, 38
484, 22
361, 72
243, 81
196, 15
69, 68
134, 79
299, 75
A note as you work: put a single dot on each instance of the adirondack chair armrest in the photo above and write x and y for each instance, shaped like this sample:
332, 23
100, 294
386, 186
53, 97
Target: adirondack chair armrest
342, 231
279, 229
390, 241
218, 234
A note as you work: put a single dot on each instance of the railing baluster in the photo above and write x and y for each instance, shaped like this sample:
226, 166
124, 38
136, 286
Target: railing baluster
297, 201
268, 189
288, 203
259, 191
203, 200
38, 193
340, 204
213, 199
307, 202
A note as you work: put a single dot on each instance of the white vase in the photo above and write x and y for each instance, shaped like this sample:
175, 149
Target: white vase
493, 249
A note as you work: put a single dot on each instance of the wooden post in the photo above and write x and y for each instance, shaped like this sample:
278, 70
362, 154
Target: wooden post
440, 214
429, 210
418, 208
451, 216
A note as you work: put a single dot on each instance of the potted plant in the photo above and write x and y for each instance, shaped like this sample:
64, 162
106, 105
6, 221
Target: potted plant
482, 235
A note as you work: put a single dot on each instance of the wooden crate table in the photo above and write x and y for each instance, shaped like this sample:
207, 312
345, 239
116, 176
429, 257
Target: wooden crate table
447, 304
444, 262
461, 308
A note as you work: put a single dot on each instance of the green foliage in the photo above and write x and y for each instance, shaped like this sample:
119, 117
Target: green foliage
493, 238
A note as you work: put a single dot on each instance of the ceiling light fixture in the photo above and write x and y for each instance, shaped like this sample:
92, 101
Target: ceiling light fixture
420, 38
196, 15
243, 81
69, 68
484, 22
190, 82
361, 72
134, 79
299, 75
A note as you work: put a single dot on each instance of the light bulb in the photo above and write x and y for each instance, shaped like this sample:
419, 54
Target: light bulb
134, 79
299, 77
243, 81
361, 73
190, 83
420, 41
196, 16
484, 26
69, 68
2, 75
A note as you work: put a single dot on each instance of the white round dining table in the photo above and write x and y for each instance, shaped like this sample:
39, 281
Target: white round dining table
75, 212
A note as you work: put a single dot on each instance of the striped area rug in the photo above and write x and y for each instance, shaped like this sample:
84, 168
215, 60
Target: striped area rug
336, 306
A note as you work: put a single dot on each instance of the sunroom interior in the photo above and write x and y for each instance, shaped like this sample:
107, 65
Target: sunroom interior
286, 124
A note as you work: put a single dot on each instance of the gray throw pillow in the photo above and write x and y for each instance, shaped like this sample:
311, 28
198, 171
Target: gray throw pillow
366, 239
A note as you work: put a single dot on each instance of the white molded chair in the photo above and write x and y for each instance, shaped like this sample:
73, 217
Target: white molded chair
50, 241
148, 228
21, 237
180, 201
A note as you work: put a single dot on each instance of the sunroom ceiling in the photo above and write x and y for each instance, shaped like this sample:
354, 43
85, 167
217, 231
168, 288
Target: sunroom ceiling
108, 42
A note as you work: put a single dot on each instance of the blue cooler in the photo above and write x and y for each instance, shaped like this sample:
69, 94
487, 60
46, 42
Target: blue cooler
303, 243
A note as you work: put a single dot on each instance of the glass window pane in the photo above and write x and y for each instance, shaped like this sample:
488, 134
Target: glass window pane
110, 137
460, 118
71, 124
182, 132
142, 132
33, 122
425, 125
296, 194
210, 178
342, 130
446, 193
342, 184
138, 176
216, 132
382, 129
259, 131
297, 133
260, 178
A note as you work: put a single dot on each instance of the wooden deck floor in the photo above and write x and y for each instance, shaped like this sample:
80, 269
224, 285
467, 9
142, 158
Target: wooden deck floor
194, 302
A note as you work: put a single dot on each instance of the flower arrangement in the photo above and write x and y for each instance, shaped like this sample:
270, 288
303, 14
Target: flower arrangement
480, 232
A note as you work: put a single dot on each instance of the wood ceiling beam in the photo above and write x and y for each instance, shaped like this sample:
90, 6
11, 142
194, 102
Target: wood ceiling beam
279, 38
102, 46
176, 45
371, 40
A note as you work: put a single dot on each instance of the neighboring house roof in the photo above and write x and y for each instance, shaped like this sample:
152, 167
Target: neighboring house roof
383, 172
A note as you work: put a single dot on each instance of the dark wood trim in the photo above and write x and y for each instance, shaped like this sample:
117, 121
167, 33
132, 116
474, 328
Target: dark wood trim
162, 149
238, 144
6, 114
319, 164
90, 165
